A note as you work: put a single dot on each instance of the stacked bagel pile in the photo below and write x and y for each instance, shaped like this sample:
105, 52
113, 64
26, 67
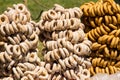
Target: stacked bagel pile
102, 21
18, 46
66, 47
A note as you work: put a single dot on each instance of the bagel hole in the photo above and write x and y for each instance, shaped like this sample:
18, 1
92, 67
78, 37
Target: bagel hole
60, 43
68, 34
43, 74
85, 73
78, 49
43, 23
20, 8
52, 13
17, 49
63, 23
32, 55
15, 17
76, 15
55, 23
3, 19
72, 22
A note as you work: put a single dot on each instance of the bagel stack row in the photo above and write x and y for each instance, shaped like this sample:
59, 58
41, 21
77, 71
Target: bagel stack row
18, 42
65, 46
102, 21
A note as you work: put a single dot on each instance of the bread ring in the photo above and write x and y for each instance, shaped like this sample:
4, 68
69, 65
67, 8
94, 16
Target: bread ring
20, 8
81, 49
3, 19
